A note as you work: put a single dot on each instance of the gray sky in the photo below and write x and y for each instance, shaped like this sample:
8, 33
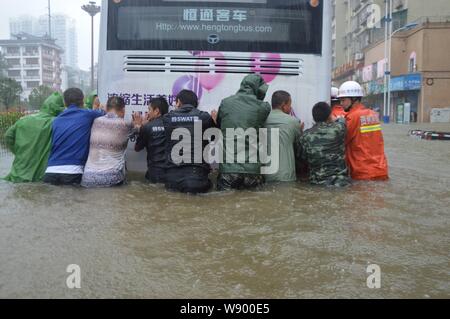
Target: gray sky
13, 8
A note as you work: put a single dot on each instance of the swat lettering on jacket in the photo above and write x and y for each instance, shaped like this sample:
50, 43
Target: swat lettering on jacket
185, 119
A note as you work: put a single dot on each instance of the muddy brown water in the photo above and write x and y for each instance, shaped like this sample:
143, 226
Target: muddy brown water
287, 241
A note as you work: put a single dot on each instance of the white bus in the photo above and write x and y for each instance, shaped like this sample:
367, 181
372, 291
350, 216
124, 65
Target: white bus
151, 48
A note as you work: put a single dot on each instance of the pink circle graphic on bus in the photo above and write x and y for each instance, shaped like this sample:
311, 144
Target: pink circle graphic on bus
210, 81
188, 82
266, 62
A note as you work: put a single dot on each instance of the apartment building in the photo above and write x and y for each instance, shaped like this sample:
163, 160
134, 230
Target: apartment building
65, 33
360, 55
23, 24
420, 72
361, 23
33, 61
63, 30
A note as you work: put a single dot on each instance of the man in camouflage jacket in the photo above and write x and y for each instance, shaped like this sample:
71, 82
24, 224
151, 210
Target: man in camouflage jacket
323, 149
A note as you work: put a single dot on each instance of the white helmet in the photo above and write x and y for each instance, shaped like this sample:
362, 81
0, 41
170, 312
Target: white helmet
351, 89
334, 94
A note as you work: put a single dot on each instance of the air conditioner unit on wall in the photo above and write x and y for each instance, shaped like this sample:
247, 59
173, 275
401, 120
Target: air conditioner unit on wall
359, 56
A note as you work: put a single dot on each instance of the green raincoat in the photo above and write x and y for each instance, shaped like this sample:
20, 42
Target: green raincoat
30, 142
89, 100
245, 110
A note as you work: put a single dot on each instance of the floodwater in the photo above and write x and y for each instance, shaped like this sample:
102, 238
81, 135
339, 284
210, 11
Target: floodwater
290, 241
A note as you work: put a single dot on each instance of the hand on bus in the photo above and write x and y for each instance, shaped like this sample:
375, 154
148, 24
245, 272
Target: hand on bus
214, 116
139, 120
98, 106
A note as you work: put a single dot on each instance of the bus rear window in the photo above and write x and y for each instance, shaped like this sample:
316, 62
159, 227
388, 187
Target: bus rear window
282, 26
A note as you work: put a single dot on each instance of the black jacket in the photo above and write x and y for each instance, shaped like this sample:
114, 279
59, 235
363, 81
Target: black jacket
185, 118
153, 137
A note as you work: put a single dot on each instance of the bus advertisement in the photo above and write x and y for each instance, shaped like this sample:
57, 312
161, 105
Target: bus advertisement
151, 48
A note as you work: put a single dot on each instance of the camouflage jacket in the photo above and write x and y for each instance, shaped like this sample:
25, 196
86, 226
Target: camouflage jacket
323, 149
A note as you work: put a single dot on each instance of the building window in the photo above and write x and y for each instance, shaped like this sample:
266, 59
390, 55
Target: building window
14, 73
13, 51
33, 73
12, 63
32, 84
412, 68
31, 51
32, 62
375, 71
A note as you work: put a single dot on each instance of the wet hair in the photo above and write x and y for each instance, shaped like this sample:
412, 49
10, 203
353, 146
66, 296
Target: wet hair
188, 97
74, 96
161, 104
321, 112
335, 102
279, 98
115, 103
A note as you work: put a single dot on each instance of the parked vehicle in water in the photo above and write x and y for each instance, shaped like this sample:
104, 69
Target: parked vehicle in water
151, 48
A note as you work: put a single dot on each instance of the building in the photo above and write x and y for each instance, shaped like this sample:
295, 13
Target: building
33, 61
23, 24
74, 77
338, 29
359, 24
63, 31
420, 71
359, 28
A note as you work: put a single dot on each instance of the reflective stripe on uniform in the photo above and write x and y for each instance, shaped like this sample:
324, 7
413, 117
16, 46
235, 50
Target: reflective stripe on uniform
371, 128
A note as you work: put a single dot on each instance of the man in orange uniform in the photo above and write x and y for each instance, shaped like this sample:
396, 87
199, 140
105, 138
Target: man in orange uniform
364, 142
337, 111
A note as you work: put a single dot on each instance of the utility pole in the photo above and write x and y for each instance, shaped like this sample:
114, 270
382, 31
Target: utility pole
387, 59
49, 20
92, 9
391, 27
386, 18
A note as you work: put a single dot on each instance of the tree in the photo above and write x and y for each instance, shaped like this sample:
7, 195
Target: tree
39, 95
3, 66
10, 91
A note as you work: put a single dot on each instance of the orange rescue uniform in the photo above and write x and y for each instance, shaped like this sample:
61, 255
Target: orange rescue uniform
338, 111
365, 145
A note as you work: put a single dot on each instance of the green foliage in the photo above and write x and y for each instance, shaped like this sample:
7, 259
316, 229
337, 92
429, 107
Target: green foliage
39, 95
9, 92
7, 119
3, 66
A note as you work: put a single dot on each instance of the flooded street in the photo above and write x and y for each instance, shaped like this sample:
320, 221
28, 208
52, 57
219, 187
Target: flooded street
290, 241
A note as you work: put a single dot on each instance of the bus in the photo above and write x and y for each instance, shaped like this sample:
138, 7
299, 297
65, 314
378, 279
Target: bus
152, 48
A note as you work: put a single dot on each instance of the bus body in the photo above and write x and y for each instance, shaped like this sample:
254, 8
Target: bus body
151, 48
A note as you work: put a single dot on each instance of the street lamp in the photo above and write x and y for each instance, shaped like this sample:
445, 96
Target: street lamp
388, 72
92, 9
